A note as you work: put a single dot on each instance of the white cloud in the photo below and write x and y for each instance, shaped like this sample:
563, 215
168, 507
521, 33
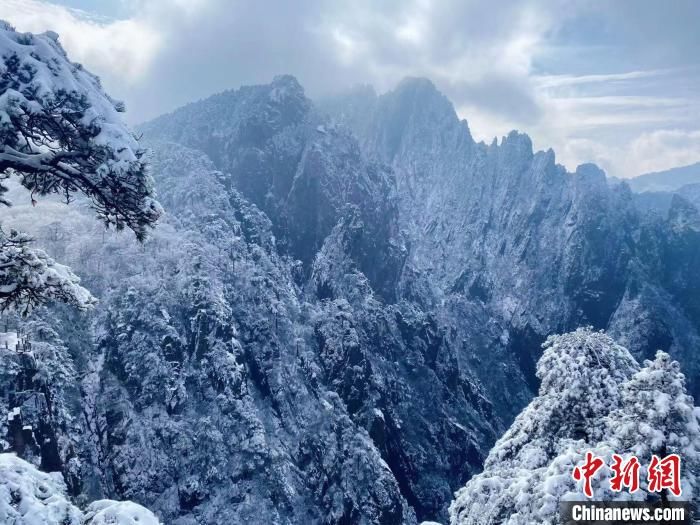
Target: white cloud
664, 149
110, 48
527, 65
653, 151
550, 81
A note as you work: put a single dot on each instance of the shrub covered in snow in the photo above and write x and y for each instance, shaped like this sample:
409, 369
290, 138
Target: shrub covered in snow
28, 275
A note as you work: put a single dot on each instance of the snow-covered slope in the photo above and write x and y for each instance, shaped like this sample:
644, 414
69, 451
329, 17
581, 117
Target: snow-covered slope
31, 497
205, 398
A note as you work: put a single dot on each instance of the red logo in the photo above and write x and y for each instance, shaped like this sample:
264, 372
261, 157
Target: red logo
626, 474
662, 473
592, 465
665, 474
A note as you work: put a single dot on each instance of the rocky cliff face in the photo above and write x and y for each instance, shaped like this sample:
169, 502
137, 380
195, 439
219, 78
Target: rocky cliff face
402, 372
299, 169
342, 308
543, 250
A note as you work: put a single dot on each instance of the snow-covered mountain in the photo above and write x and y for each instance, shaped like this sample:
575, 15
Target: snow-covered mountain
340, 311
541, 249
667, 180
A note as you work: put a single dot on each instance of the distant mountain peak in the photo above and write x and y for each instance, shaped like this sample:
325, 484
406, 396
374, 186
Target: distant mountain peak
667, 180
416, 83
589, 169
519, 141
286, 79
420, 90
283, 86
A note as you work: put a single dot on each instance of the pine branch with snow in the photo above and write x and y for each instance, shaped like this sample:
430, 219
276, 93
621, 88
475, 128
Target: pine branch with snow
28, 276
61, 133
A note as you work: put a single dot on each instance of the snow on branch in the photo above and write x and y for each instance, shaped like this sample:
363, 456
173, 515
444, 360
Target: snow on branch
28, 276
61, 133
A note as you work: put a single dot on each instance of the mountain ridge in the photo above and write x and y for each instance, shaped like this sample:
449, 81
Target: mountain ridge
669, 180
501, 231
344, 304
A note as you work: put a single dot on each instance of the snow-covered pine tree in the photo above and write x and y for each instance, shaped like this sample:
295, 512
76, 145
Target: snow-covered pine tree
658, 417
593, 397
580, 376
60, 133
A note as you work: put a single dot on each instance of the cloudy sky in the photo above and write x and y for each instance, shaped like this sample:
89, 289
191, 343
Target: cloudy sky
616, 83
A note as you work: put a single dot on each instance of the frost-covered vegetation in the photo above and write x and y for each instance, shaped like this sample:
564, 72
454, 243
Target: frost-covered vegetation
31, 497
60, 133
339, 313
593, 397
